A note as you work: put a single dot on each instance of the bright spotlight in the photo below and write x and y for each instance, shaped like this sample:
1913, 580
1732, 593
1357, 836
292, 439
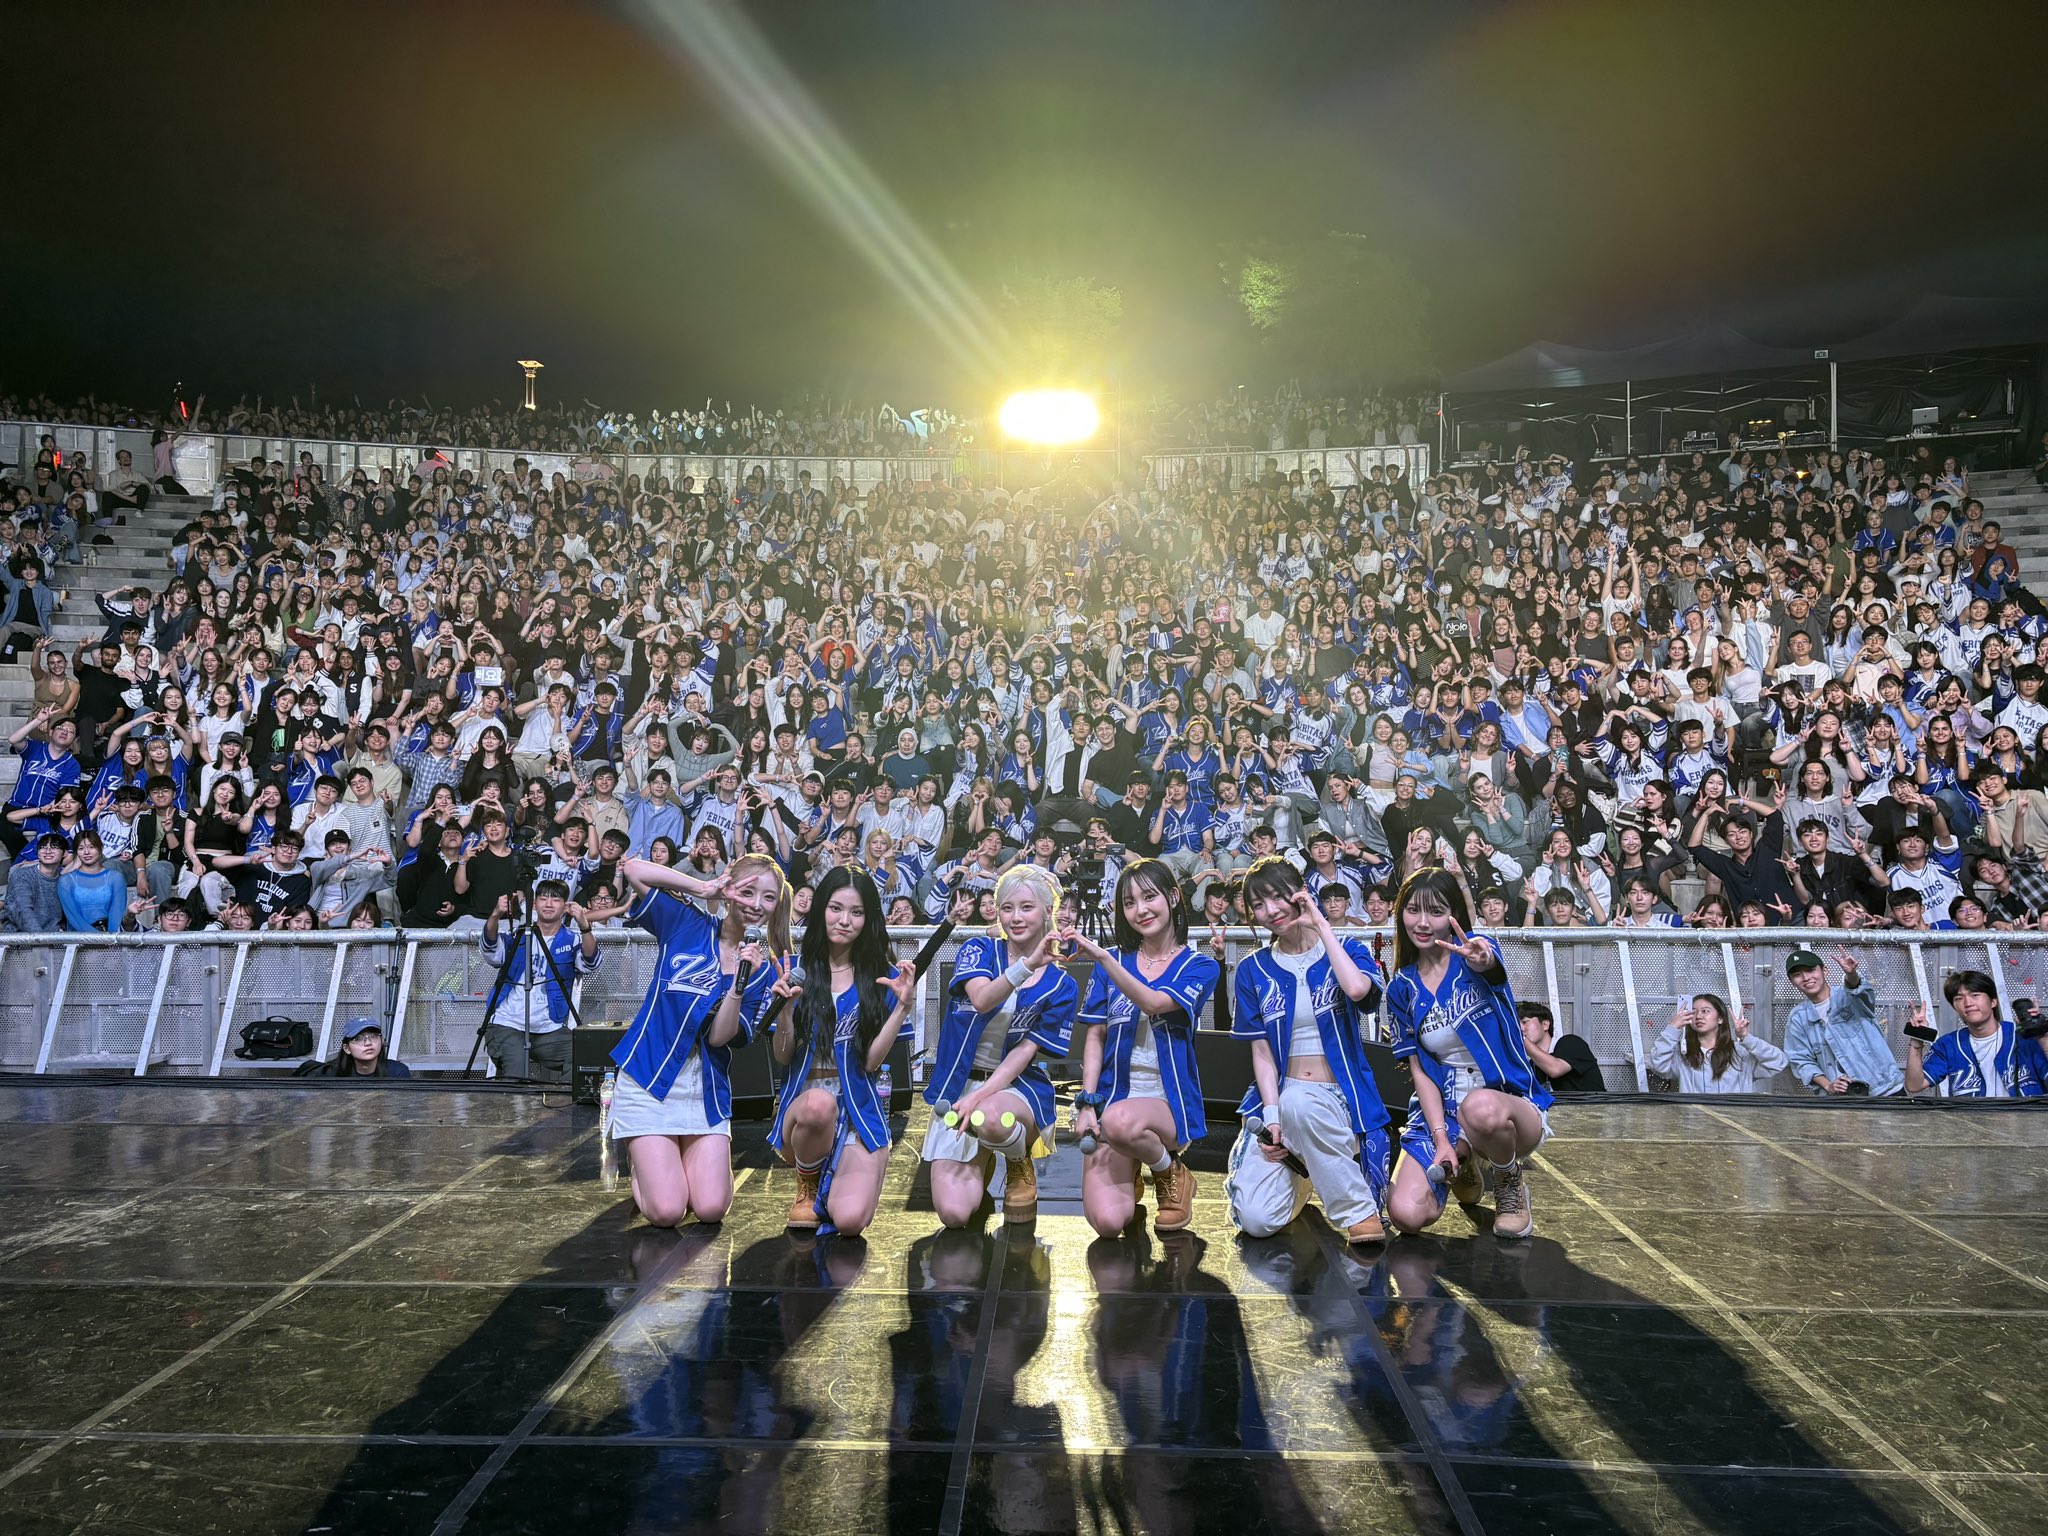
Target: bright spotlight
1053, 417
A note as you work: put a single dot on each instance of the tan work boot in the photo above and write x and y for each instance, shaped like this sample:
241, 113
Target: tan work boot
1513, 1214
803, 1210
1468, 1184
1370, 1230
1020, 1187
1175, 1187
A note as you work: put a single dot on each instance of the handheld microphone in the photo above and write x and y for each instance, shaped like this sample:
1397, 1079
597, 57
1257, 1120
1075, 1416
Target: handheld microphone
1269, 1136
1439, 1174
754, 935
1087, 1142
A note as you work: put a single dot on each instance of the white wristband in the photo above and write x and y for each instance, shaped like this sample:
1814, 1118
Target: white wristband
1016, 974
1270, 1113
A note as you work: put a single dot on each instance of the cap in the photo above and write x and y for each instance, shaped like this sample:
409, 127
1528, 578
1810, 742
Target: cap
1802, 960
357, 1026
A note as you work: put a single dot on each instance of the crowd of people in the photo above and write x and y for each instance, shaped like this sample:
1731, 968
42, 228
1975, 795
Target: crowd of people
1287, 419
1675, 691
1292, 419
1527, 693
813, 426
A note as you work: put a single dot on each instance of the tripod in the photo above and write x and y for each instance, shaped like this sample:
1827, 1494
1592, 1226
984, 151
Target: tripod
523, 940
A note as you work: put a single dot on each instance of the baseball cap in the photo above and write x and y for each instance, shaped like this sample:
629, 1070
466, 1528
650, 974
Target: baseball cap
1801, 960
357, 1026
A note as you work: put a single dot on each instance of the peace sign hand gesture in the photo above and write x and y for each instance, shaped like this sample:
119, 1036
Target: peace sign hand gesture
789, 982
1473, 949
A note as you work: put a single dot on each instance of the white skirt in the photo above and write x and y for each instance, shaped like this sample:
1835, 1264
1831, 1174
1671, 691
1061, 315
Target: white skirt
636, 1112
945, 1143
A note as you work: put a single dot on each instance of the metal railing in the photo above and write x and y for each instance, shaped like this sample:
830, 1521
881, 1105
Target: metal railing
175, 1005
1335, 464
200, 459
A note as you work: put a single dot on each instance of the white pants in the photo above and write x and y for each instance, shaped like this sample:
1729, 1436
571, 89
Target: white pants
1265, 1196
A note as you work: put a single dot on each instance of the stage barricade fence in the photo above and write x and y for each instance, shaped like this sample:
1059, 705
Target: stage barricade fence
1242, 464
201, 458
176, 1005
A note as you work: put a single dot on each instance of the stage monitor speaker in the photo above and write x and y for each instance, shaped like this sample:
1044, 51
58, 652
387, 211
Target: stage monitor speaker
1225, 1066
590, 1057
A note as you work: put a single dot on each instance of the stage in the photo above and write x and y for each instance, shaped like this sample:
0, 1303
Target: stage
272, 1309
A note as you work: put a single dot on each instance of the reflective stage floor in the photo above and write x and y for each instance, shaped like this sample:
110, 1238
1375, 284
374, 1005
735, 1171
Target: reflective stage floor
279, 1309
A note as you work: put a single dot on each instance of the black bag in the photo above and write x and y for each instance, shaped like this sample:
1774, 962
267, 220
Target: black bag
275, 1039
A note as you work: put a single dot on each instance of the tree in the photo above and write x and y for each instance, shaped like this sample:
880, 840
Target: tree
1062, 327
1335, 307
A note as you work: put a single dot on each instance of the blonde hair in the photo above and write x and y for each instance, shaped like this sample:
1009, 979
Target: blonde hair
778, 919
1039, 879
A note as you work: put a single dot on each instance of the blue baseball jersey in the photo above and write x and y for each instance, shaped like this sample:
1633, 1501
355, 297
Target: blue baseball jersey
1189, 980
1044, 1015
1263, 1009
688, 986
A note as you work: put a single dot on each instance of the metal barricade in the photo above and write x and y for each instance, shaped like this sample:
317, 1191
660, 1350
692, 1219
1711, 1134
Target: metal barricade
201, 458
176, 1005
1241, 465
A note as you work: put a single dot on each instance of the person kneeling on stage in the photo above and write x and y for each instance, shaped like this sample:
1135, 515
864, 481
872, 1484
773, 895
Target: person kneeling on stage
1141, 1094
850, 1004
1454, 1021
1298, 1001
1988, 1058
672, 1104
1009, 1002
527, 1028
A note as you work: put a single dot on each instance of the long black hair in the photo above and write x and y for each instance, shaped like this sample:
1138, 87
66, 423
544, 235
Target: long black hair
1433, 889
1154, 875
870, 957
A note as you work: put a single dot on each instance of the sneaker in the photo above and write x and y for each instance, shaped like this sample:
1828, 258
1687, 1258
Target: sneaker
1176, 1190
1513, 1216
1020, 1188
1370, 1230
1468, 1184
803, 1210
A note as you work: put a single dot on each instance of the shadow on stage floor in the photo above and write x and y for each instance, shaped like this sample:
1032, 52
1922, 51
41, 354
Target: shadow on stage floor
285, 1309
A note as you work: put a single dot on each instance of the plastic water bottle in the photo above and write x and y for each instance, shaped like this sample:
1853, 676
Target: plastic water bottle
885, 1086
607, 1160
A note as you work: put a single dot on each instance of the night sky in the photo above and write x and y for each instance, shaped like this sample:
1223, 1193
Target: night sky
405, 198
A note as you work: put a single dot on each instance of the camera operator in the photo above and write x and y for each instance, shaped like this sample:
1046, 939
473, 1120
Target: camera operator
527, 1029
1096, 865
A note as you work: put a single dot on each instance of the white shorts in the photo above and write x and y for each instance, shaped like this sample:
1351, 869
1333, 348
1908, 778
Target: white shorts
636, 1112
1144, 1083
